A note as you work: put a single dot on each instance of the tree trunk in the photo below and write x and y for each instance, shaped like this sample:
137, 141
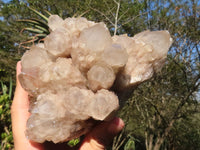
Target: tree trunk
159, 140
158, 143
149, 141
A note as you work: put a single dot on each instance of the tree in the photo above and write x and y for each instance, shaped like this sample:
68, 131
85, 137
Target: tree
161, 102
188, 128
169, 98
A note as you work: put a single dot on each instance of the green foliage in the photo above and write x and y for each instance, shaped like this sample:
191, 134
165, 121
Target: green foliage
130, 144
6, 137
74, 142
38, 29
7, 66
189, 129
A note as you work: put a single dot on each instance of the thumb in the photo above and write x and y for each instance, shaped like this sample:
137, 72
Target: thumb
102, 135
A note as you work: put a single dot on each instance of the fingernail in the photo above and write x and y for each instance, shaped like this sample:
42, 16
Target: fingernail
116, 121
116, 125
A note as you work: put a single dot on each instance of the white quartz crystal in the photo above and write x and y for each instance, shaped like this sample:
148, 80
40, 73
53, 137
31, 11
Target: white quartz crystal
147, 53
61, 74
41, 56
99, 106
70, 76
76, 25
95, 38
58, 43
115, 56
55, 22
100, 76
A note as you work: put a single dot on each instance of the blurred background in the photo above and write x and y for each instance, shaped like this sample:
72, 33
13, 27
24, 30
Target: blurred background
162, 113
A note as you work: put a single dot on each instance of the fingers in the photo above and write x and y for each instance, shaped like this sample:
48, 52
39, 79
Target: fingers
102, 135
19, 115
20, 102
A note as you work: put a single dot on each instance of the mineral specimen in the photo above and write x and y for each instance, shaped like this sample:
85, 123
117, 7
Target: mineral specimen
69, 77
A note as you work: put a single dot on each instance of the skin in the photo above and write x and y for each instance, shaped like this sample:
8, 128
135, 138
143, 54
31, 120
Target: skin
97, 139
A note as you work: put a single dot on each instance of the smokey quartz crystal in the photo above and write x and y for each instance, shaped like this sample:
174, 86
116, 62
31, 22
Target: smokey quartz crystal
69, 77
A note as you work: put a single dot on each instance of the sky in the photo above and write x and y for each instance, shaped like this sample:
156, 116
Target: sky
6, 1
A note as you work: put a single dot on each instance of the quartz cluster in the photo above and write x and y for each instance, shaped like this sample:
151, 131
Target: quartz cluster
69, 77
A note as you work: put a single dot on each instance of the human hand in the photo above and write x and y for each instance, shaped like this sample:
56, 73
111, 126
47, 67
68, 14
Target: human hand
97, 139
